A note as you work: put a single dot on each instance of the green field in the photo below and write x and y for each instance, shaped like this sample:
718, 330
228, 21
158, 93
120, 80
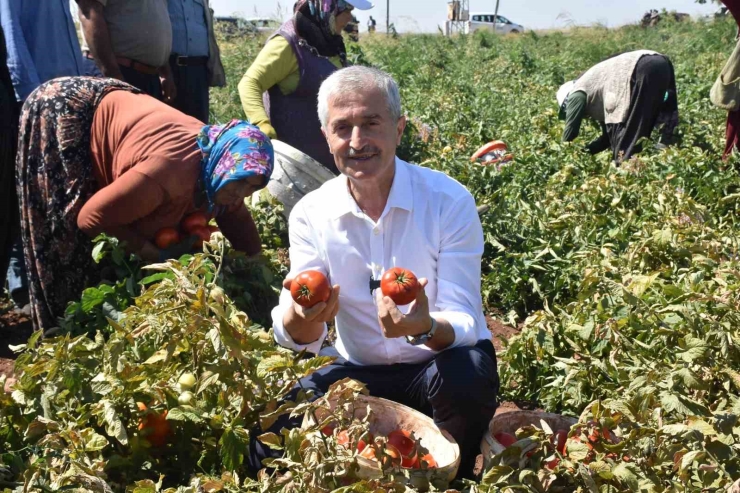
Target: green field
624, 282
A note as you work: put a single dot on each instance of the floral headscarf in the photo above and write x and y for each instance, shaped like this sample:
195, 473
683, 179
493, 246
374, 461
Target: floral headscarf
233, 152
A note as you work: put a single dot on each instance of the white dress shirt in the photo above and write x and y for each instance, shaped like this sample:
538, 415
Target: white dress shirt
430, 225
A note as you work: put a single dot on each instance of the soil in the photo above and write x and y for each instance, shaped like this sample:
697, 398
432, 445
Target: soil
499, 331
15, 329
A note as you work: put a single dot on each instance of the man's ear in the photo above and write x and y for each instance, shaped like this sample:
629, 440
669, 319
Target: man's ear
401, 125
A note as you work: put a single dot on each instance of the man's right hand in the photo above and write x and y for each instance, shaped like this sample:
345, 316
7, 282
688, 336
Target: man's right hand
305, 325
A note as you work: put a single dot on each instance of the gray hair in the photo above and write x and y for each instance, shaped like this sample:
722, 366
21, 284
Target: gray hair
357, 78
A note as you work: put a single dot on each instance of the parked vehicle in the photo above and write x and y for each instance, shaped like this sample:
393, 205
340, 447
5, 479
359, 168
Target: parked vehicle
264, 24
484, 20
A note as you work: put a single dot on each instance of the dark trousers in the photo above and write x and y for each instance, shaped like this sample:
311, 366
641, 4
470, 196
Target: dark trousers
458, 389
149, 84
651, 80
192, 90
9, 215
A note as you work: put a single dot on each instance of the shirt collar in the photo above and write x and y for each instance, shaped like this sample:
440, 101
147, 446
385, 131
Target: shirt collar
401, 195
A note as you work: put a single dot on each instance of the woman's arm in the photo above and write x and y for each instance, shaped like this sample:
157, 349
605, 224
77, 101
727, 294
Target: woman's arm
114, 208
239, 228
275, 63
575, 109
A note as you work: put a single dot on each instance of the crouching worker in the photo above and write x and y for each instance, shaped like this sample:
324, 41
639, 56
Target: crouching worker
435, 355
98, 156
628, 95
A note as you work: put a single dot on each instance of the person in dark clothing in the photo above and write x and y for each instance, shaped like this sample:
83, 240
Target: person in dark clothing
8, 141
628, 95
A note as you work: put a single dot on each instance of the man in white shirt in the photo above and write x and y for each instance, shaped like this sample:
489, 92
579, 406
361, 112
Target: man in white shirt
434, 355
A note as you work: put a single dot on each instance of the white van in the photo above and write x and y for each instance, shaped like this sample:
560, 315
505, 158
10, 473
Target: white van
484, 20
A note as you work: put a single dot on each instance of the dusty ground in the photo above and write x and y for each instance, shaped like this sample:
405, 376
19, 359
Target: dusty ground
14, 329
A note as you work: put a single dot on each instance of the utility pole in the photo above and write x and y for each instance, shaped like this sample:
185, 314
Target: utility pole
388, 16
495, 17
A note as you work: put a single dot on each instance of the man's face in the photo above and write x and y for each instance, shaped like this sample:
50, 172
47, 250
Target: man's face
362, 135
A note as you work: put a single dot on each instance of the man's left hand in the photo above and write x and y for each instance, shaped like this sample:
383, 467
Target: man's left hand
395, 324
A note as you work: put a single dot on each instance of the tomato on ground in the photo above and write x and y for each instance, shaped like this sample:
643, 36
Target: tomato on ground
309, 288
400, 285
166, 237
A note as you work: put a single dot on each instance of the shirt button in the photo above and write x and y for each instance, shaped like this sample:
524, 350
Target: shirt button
376, 231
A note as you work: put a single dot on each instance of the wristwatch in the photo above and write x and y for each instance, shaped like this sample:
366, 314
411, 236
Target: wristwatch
420, 339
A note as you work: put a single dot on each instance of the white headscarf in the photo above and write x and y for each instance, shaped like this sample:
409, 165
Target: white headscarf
563, 92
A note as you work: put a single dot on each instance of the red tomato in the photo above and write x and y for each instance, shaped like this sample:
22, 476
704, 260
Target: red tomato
505, 439
431, 463
368, 453
411, 462
309, 288
154, 426
361, 444
401, 439
194, 220
553, 463
203, 234
393, 454
559, 439
400, 285
328, 430
343, 438
166, 237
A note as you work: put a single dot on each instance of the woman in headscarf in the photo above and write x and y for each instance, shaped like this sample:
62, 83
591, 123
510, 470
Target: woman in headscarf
725, 93
98, 156
289, 70
628, 95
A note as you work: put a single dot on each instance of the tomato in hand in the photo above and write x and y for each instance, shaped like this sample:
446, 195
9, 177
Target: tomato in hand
194, 220
400, 285
203, 234
166, 237
401, 439
309, 288
505, 439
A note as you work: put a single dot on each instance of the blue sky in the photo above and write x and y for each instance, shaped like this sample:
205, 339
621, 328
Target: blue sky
426, 15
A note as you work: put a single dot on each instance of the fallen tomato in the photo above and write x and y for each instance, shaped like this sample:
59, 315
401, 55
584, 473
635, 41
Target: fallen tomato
559, 439
166, 237
400, 285
309, 288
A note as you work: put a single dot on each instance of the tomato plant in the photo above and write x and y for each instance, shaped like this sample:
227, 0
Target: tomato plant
400, 285
309, 288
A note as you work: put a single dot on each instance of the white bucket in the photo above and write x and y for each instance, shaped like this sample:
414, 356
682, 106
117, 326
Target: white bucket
295, 174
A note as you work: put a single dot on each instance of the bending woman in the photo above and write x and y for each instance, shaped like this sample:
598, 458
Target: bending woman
289, 70
628, 95
98, 156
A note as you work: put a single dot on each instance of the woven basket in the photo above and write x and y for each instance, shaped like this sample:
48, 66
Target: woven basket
389, 416
510, 422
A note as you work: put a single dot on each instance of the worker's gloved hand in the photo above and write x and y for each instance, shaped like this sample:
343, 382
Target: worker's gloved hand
268, 130
178, 249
